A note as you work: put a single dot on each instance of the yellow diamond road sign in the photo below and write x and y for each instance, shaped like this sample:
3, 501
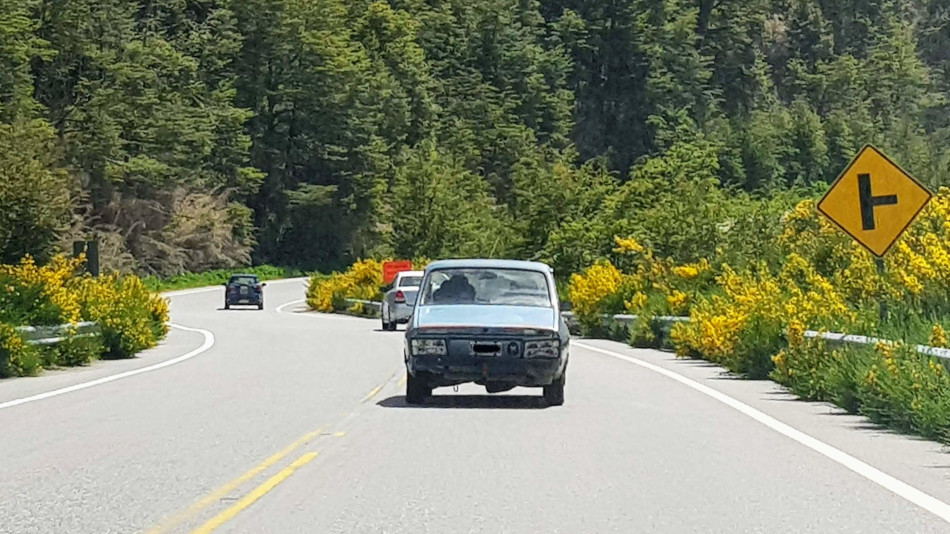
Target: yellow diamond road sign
874, 200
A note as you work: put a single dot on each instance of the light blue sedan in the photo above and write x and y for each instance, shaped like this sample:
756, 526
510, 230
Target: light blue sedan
496, 323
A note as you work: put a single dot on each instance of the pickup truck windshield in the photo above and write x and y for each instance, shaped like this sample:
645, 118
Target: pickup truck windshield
498, 287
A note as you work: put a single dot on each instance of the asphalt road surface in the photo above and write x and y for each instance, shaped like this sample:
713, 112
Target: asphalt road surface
285, 421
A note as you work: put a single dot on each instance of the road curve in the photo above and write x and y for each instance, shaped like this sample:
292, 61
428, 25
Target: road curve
295, 422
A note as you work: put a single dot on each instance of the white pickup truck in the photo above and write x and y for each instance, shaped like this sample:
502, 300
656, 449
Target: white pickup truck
399, 301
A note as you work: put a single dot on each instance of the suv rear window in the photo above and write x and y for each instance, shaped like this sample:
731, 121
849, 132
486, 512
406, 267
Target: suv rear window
244, 281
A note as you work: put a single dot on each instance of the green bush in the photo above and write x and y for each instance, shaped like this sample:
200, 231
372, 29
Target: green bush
17, 358
75, 351
893, 386
131, 317
217, 277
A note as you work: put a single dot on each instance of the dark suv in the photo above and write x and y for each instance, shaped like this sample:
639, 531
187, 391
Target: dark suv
244, 289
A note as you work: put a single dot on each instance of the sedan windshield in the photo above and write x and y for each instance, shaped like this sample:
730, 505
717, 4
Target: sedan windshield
498, 287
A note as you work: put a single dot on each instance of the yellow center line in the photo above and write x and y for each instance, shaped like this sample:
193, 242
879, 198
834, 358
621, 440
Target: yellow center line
217, 494
255, 495
378, 388
373, 393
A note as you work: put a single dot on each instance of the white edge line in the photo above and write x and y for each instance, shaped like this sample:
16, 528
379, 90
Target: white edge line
208, 343
899, 488
280, 308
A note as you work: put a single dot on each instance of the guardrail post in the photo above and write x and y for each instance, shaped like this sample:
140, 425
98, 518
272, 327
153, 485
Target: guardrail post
91, 249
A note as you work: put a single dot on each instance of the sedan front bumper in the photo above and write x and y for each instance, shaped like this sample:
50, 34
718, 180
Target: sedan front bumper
451, 370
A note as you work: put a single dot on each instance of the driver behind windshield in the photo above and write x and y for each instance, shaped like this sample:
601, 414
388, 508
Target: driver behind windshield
455, 290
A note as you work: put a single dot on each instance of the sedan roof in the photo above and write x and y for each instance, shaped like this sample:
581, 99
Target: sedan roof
489, 264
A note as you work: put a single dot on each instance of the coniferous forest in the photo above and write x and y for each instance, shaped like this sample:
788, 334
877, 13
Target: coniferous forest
196, 134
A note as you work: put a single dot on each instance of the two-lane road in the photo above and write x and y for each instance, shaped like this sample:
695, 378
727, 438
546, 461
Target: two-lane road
283, 421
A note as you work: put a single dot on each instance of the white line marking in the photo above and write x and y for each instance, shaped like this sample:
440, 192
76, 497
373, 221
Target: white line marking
208, 343
901, 489
291, 303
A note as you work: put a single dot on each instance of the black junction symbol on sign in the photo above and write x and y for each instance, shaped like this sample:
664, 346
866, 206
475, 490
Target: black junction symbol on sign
869, 201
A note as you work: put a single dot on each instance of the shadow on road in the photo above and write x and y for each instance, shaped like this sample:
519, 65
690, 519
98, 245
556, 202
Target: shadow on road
246, 309
470, 402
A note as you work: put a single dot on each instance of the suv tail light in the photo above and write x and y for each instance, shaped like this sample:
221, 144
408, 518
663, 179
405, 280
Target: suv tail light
400, 297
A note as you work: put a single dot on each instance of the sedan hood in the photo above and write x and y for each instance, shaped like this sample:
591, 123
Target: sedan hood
484, 316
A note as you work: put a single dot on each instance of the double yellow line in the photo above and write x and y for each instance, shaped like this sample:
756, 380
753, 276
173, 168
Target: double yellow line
257, 493
254, 495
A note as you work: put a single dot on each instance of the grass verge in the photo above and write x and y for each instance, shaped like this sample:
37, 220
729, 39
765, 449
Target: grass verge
218, 277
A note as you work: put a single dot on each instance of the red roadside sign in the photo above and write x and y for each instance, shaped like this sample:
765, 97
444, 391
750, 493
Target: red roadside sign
392, 268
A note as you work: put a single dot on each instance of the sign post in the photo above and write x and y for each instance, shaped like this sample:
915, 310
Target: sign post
874, 201
91, 250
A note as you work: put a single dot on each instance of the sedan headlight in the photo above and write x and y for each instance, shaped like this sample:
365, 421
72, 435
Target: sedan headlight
428, 347
549, 348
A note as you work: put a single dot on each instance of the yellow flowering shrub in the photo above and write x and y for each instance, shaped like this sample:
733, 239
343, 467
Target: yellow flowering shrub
917, 272
130, 317
596, 291
628, 245
691, 271
637, 302
31, 294
16, 357
743, 327
678, 302
938, 337
362, 281
753, 320
905, 390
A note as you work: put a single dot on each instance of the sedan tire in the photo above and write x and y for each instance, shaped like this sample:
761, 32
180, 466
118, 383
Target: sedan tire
416, 390
554, 394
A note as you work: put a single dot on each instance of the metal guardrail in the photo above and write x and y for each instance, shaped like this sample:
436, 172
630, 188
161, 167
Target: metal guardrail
624, 319
51, 335
606, 320
936, 352
834, 337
